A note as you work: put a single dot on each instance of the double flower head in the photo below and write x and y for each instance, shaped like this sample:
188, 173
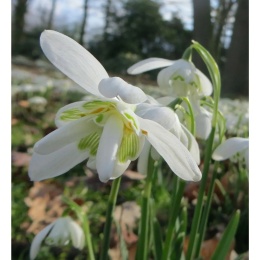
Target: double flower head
108, 131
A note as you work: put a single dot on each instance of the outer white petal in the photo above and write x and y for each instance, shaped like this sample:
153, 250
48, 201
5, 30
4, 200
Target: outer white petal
59, 235
149, 64
109, 143
172, 150
193, 146
56, 163
37, 241
203, 123
142, 163
73, 60
163, 79
230, 147
119, 169
113, 87
76, 234
67, 134
162, 115
205, 83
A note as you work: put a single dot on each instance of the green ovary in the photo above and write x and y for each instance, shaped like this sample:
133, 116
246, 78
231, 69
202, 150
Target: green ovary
90, 142
129, 146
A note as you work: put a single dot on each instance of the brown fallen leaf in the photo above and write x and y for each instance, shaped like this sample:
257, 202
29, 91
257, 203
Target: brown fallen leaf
45, 205
208, 247
20, 159
126, 215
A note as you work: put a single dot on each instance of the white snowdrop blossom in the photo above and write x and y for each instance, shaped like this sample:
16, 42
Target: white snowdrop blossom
181, 78
105, 130
58, 233
231, 147
146, 110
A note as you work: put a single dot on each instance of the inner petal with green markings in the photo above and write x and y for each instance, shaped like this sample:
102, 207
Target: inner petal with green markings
99, 111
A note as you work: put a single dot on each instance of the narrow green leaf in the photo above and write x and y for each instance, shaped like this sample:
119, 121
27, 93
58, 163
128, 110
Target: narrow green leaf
157, 236
227, 238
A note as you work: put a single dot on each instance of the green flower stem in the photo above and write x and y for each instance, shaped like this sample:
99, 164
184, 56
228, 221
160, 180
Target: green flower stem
187, 55
200, 200
88, 239
109, 217
215, 77
175, 207
142, 247
193, 123
84, 219
205, 214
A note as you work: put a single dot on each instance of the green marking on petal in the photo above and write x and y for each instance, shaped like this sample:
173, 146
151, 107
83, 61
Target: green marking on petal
129, 147
178, 77
90, 142
71, 114
128, 116
97, 104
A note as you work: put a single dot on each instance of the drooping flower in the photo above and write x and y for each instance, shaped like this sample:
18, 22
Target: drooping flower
105, 130
181, 78
58, 233
232, 146
146, 110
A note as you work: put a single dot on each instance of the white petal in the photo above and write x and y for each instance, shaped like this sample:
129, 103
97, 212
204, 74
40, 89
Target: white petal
56, 163
203, 123
59, 235
149, 64
37, 241
76, 234
193, 146
113, 87
142, 164
205, 83
165, 100
64, 135
119, 169
172, 150
162, 115
163, 79
73, 60
109, 143
230, 147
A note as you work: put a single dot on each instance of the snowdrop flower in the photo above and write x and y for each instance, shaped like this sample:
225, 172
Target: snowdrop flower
105, 130
58, 233
172, 123
37, 103
232, 146
181, 78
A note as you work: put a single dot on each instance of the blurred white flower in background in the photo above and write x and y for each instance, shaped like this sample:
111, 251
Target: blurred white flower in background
59, 233
231, 147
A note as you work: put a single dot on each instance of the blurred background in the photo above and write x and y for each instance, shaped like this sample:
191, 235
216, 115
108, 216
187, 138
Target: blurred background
121, 32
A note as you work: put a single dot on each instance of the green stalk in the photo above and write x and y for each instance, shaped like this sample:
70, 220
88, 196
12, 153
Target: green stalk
205, 214
215, 77
88, 239
84, 219
199, 206
193, 123
142, 247
175, 207
109, 217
